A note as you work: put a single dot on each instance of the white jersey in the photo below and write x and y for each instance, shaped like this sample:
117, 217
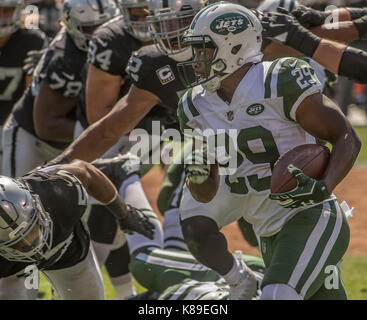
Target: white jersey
263, 112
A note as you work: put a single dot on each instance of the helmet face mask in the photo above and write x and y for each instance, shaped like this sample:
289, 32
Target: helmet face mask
167, 25
81, 17
234, 31
134, 13
25, 227
210, 68
10, 16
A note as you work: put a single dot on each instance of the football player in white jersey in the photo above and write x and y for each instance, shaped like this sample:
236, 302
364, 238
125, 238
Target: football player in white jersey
261, 110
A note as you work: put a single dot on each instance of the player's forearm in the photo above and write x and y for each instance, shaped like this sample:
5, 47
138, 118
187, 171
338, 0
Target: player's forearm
344, 153
206, 191
92, 143
343, 32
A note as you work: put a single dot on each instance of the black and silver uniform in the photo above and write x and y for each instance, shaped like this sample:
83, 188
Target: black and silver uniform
157, 73
60, 67
12, 76
110, 50
65, 200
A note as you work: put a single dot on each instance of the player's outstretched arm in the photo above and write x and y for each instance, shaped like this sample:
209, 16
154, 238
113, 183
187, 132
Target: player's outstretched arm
320, 117
102, 189
103, 134
102, 92
334, 56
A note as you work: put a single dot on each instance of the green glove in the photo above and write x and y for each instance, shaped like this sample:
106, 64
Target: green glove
308, 191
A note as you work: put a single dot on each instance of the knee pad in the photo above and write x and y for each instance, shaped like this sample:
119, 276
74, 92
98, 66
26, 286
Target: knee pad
173, 237
279, 291
118, 261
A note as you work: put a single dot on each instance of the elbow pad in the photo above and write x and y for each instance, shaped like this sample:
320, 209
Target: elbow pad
361, 26
353, 65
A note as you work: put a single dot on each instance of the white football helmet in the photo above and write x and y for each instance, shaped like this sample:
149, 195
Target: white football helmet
138, 29
233, 31
11, 24
81, 14
23, 221
168, 22
272, 5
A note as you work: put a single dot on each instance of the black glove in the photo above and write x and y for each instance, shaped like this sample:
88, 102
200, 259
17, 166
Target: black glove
31, 61
119, 168
283, 27
356, 13
309, 17
137, 221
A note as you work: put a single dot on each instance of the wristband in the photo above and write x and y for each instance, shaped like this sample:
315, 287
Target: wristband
117, 207
303, 40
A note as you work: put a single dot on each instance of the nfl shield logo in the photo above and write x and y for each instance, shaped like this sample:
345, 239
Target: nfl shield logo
230, 115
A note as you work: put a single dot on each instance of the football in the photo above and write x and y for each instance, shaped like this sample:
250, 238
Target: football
312, 159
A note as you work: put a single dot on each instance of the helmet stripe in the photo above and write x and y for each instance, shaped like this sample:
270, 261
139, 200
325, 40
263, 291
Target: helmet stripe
8, 220
100, 6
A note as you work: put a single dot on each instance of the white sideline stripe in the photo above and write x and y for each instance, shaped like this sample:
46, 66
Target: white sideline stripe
329, 246
185, 106
310, 246
181, 290
170, 254
172, 263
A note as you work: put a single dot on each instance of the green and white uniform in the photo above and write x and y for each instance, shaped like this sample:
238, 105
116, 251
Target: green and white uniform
263, 111
167, 271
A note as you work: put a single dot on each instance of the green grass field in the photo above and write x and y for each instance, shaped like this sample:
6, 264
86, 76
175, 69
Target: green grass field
354, 268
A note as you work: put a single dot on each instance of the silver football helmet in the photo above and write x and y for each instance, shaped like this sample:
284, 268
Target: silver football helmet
137, 26
81, 15
10, 22
25, 227
168, 21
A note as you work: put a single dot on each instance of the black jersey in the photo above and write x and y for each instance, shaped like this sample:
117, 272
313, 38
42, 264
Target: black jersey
110, 50
60, 66
12, 76
65, 200
157, 73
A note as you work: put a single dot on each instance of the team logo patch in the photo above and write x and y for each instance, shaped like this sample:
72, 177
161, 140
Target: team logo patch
230, 115
165, 74
255, 109
230, 22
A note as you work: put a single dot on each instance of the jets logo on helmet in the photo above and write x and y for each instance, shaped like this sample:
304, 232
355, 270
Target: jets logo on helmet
81, 17
227, 23
233, 31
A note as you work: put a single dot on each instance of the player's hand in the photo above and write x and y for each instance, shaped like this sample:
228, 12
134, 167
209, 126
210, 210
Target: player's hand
308, 191
196, 167
31, 61
278, 25
309, 17
137, 221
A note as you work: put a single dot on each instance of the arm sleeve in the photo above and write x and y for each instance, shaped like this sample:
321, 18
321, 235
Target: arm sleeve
353, 65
